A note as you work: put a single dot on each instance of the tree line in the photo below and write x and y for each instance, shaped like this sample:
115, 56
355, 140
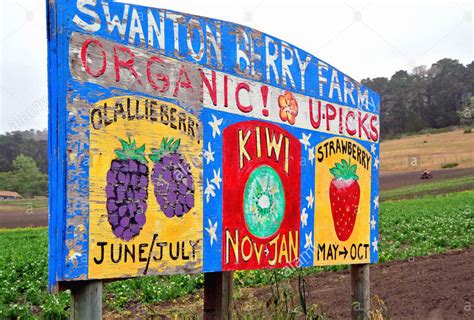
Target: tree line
24, 162
435, 97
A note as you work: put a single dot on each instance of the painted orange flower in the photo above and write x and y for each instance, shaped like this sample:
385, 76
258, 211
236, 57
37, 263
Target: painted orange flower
288, 107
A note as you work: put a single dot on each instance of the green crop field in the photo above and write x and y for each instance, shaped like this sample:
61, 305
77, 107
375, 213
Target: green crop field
408, 228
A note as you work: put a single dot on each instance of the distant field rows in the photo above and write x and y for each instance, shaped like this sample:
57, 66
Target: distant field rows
429, 151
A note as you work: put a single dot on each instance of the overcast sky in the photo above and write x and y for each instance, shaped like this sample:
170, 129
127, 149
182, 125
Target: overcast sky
361, 38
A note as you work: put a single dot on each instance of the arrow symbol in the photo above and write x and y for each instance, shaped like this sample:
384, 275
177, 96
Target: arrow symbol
343, 252
266, 251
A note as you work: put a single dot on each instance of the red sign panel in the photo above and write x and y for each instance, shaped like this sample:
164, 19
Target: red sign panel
261, 179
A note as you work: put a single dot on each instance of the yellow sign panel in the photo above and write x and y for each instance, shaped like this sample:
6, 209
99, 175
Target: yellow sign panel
343, 197
145, 203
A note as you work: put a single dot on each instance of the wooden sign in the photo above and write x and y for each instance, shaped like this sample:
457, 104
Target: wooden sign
183, 144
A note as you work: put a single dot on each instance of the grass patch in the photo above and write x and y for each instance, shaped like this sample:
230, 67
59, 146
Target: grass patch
428, 188
408, 228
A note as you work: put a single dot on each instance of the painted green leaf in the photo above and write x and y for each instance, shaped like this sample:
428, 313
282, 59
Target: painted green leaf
167, 146
130, 151
344, 170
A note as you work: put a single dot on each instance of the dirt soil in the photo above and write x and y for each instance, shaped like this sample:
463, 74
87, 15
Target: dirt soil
435, 287
21, 218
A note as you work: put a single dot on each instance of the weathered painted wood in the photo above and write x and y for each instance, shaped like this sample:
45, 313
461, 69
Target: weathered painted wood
360, 291
86, 300
185, 144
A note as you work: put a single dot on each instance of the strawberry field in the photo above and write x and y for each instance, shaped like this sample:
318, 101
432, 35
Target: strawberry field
409, 228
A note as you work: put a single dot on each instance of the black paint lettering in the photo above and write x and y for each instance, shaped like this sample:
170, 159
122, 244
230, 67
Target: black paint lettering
112, 253
102, 245
141, 252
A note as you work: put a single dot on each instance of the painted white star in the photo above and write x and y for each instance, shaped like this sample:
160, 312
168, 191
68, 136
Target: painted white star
372, 148
310, 199
376, 202
209, 191
215, 123
305, 141
212, 231
373, 223
311, 155
376, 162
217, 178
304, 217
309, 240
209, 154
375, 244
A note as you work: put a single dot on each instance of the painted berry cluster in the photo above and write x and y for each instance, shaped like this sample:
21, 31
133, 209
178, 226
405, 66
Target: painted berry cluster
172, 178
128, 180
127, 190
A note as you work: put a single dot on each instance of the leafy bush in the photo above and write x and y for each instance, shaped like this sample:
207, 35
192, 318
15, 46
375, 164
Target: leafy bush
449, 165
25, 178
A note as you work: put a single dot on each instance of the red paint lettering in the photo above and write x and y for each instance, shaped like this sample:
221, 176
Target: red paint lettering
85, 46
373, 127
362, 126
159, 77
330, 115
341, 128
182, 84
127, 64
351, 115
226, 91
240, 86
314, 123
212, 90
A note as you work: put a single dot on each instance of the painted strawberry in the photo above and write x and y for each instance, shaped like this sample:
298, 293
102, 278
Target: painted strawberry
344, 195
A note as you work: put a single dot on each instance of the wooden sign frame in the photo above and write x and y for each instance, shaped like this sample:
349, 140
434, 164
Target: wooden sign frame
187, 144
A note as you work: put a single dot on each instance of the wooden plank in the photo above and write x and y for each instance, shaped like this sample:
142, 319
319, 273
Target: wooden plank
360, 291
86, 301
218, 295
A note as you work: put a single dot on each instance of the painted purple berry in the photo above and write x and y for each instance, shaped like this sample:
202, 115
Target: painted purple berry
127, 190
172, 179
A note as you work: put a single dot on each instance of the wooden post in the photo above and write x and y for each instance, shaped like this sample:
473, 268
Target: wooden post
86, 303
360, 291
218, 295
